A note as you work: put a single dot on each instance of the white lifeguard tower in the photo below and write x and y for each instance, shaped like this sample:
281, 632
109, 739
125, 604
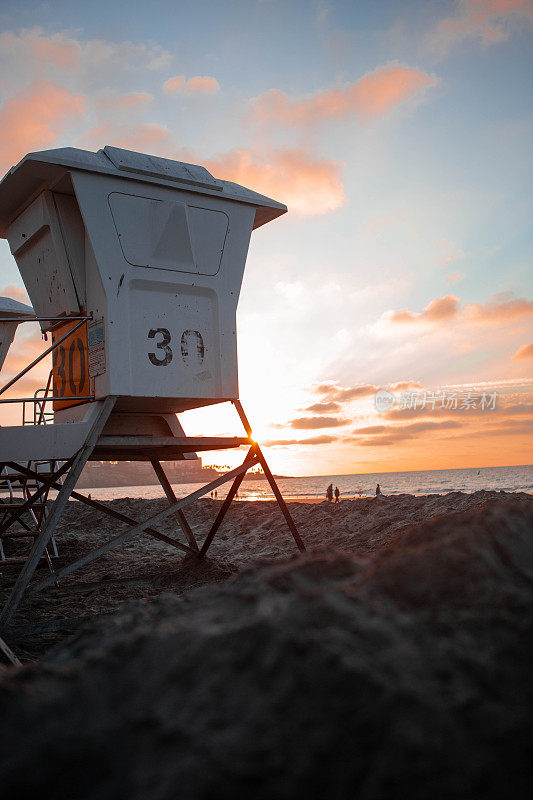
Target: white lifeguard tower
133, 265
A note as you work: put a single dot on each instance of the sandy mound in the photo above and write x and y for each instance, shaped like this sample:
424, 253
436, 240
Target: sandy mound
403, 671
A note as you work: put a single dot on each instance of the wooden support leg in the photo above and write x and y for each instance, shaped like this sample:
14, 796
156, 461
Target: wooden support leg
171, 497
270, 478
235, 486
111, 512
142, 526
14, 516
60, 502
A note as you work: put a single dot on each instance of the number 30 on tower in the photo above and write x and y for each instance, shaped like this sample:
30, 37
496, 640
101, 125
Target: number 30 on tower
70, 369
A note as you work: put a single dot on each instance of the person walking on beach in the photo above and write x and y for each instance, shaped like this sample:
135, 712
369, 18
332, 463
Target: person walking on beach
337, 494
329, 493
378, 490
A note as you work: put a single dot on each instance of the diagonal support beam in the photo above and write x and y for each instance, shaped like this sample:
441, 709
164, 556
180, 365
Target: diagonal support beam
111, 512
46, 485
270, 478
41, 542
141, 527
171, 497
235, 486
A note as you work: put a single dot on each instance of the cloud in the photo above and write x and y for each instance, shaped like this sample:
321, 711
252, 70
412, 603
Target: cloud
499, 310
15, 292
307, 184
342, 394
374, 95
525, 351
443, 308
323, 439
385, 435
488, 21
34, 119
54, 50
200, 84
446, 309
85, 64
149, 137
519, 409
123, 102
410, 428
423, 412
304, 423
322, 408
454, 277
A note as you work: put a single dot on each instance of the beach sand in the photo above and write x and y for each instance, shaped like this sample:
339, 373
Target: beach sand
394, 659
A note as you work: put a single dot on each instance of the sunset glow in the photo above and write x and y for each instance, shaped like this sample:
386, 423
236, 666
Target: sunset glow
399, 136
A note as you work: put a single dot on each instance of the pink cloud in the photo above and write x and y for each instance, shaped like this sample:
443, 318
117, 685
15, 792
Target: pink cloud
308, 185
372, 96
525, 351
54, 50
454, 277
35, 119
489, 21
200, 84
150, 137
443, 308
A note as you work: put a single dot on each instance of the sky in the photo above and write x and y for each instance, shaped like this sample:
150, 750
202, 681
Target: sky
399, 136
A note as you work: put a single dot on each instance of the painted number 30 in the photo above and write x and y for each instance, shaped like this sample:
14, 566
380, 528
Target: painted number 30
192, 347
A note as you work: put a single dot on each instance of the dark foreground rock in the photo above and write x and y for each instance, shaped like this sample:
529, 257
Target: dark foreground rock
407, 673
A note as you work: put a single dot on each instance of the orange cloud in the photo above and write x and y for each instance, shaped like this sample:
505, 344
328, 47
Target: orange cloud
373, 96
322, 408
445, 309
499, 311
21, 353
343, 394
16, 293
324, 439
525, 351
200, 84
304, 423
308, 185
35, 119
489, 21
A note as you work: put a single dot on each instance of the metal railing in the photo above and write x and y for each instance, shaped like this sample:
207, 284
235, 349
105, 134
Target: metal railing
36, 401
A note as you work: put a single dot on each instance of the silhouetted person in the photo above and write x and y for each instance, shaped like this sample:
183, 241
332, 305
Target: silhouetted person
378, 490
329, 493
337, 494
216, 494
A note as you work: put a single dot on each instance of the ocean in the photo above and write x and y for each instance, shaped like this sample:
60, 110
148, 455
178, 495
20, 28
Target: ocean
435, 481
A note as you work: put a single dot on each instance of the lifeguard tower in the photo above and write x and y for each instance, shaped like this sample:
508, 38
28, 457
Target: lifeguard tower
133, 265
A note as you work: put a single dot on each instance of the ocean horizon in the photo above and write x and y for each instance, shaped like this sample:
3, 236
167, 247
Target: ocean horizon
415, 482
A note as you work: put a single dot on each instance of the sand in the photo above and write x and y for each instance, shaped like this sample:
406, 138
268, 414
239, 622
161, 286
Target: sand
392, 660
